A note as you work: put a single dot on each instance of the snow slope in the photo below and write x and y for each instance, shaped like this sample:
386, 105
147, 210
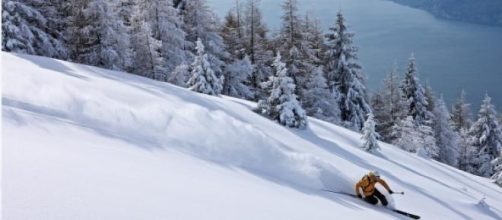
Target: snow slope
81, 142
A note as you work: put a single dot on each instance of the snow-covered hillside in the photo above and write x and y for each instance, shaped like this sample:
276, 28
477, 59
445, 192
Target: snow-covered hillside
81, 142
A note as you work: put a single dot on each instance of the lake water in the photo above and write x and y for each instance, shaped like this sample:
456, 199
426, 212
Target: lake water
451, 55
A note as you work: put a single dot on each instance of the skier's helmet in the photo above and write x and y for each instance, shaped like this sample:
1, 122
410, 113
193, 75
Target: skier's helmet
375, 173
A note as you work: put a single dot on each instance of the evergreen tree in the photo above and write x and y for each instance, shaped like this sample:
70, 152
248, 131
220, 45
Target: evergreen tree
447, 139
379, 104
485, 140
414, 95
415, 138
463, 150
199, 22
406, 135
388, 106
27, 27
232, 34
291, 44
282, 104
461, 114
461, 122
166, 36
146, 54
96, 36
317, 100
237, 77
180, 75
497, 167
203, 79
257, 46
369, 135
345, 78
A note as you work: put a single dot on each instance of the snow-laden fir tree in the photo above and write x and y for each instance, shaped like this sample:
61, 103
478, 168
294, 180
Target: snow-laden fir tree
406, 135
180, 75
282, 104
461, 114
257, 46
370, 137
162, 34
232, 34
96, 35
485, 140
345, 76
461, 122
203, 79
200, 22
290, 41
497, 167
414, 95
27, 28
317, 100
146, 49
388, 105
431, 101
415, 138
447, 140
237, 76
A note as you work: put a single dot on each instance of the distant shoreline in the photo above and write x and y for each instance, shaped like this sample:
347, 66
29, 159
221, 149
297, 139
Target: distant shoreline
488, 12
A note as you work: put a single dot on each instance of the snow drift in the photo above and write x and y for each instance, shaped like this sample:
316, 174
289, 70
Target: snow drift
82, 142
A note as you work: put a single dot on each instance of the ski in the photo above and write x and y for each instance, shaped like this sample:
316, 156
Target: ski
342, 193
407, 214
413, 216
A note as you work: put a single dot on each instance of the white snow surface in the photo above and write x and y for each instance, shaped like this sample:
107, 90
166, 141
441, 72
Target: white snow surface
81, 142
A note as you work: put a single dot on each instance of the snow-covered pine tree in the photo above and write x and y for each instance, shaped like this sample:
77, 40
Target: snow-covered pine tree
461, 114
447, 139
237, 77
282, 104
415, 138
125, 10
497, 167
345, 78
485, 140
238, 70
427, 147
146, 56
200, 22
180, 75
165, 26
203, 79
28, 27
232, 34
369, 135
414, 95
388, 105
257, 46
461, 122
463, 149
290, 41
317, 100
406, 135
431, 100
379, 105
96, 36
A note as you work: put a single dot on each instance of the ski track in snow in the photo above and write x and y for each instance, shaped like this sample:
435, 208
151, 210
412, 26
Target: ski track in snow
80, 142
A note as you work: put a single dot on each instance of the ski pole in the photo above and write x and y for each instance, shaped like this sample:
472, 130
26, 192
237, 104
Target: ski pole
400, 193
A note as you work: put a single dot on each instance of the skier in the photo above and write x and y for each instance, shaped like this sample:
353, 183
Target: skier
371, 194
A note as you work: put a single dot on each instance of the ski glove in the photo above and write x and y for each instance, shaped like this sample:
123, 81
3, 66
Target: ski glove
359, 196
391, 192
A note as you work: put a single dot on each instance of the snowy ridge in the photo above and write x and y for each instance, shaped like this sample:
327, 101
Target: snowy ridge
86, 143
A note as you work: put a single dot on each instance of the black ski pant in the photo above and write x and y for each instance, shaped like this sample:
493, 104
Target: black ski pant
377, 195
